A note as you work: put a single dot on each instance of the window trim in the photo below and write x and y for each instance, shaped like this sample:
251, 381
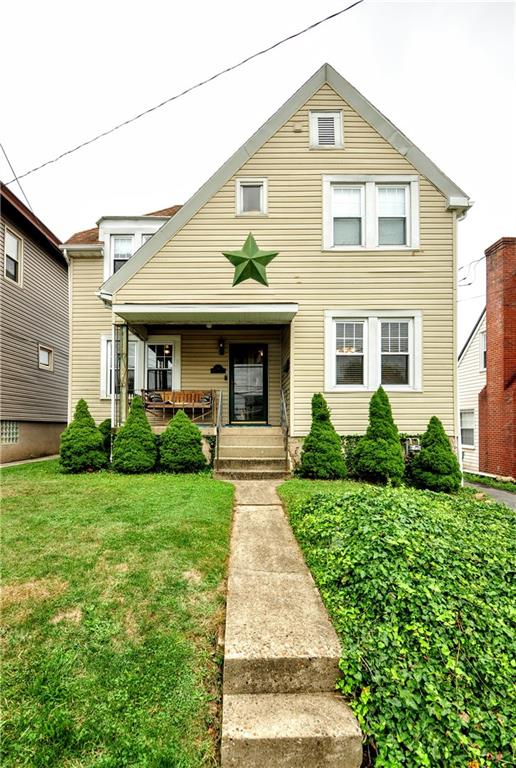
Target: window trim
50, 350
264, 195
370, 225
408, 211
362, 190
482, 346
372, 362
314, 132
113, 237
104, 366
12, 231
365, 354
175, 342
473, 428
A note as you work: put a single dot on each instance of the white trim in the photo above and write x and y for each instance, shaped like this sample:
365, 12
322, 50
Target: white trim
473, 412
372, 362
337, 127
264, 194
104, 369
370, 183
19, 260
50, 350
175, 342
482, 348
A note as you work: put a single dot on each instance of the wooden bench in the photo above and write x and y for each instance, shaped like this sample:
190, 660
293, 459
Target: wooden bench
198, 401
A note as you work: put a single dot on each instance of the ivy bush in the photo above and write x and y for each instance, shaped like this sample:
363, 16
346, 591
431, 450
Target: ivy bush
82, 446
181, 446
436, 466
378, 457
420, 589
134, 446
322, 457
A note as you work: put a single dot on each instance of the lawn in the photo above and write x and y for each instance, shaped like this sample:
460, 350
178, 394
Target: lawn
113, 595
420, 587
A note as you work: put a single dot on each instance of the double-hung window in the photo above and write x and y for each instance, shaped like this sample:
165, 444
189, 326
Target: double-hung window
131, 367
12, 256
123, 248
160, 365
366, 349
251, 197
370, 212
467, 428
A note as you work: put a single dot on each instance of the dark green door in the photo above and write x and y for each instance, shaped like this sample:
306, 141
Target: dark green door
248, 383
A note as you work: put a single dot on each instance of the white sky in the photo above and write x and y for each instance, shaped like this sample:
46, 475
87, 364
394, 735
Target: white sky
443, 72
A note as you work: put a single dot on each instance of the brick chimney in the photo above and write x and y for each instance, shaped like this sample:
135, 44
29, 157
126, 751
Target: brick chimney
497, 401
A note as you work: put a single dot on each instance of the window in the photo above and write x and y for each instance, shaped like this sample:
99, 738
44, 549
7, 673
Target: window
467, 428
131, 368
146, 237
160, 363
326, 130
366, 349
9, 432
251, 196
483, 350
349, 363
13, 253
45, 358
122, 246
370, 212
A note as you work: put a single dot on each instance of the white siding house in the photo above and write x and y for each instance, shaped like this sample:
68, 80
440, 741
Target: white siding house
472, 379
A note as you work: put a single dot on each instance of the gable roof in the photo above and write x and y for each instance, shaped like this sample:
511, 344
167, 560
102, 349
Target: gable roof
14, 206
91, 236
471, 335
457, 199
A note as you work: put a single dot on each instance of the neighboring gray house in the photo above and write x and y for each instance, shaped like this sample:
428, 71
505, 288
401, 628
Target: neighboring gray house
472, 380
34, 333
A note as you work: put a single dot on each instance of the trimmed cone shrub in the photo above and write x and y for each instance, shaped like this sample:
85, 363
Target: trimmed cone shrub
134, 447
82, 446
105, 431
436, 466
181, 446
379, 457
322, 457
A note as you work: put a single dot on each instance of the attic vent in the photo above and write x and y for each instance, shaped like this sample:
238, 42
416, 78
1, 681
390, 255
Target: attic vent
326, 129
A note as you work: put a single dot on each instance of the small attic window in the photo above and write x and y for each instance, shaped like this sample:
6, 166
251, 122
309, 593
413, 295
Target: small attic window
326, 130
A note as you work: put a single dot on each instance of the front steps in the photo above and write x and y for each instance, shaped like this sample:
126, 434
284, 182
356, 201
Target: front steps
252, 453
281, 652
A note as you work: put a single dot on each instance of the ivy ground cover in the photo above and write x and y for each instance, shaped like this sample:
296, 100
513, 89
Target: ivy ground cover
112, 597
420, 587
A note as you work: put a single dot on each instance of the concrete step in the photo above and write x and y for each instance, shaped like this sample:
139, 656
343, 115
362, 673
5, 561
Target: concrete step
251, 430
251, 474
229, 450
289, 731
251, 440
237, 462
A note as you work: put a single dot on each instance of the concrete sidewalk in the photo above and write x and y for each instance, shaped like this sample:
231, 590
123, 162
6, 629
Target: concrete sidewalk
281, 651
28, 461
502, 497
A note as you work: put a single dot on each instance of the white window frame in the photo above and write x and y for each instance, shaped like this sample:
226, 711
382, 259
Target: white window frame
314, 128
370, 221
372, 357
362, 189
50, 350
408, 224
473, 428
175, 343
113, 237
18, 237
482, 348
240, 183
105, 365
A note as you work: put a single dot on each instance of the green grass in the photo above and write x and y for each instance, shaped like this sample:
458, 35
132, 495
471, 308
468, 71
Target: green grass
113, 594
490, 482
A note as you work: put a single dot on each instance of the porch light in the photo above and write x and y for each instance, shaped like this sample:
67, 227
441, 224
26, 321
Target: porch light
222, 346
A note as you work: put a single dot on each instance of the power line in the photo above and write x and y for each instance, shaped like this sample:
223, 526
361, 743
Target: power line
188, 90
16, 178
468, 298
475, 261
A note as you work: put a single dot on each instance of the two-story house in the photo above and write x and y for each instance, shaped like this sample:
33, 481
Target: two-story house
34, 333
321, 257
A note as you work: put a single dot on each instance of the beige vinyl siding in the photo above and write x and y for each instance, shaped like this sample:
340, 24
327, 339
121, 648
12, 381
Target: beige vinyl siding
471, 381
32, 313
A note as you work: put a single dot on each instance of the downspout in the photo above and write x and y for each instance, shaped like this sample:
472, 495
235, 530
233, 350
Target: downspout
69, 393
456, 418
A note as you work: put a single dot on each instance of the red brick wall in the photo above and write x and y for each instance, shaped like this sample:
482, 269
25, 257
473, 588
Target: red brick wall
497, 401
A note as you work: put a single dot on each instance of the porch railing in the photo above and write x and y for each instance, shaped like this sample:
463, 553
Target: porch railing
284, 419
199, 404
218, 423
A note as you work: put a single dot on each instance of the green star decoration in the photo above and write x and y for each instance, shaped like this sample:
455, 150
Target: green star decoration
250, 262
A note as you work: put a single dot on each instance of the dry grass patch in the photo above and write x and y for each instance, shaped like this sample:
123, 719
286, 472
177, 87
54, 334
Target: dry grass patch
40, 589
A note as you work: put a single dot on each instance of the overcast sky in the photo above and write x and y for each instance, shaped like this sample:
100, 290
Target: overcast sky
443, 72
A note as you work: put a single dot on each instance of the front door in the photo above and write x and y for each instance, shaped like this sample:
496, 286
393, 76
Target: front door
248, 383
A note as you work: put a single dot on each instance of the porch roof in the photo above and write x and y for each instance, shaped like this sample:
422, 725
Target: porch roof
219, 314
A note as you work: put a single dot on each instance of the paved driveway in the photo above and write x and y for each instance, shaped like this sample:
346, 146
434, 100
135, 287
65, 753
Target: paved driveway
504, 497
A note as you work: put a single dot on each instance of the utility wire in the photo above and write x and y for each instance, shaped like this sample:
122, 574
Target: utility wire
469, 298
16, 178
469, 264
188, 90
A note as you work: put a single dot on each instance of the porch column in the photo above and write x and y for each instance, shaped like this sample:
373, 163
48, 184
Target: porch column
124, 377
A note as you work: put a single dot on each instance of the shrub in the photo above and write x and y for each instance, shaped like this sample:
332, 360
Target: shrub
181, 446
134, 447
105, 431
322, 457
419, 588
435, 466
82, 448
378, 456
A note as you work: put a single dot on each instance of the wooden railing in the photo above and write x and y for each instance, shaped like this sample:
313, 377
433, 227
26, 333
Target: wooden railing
199, 404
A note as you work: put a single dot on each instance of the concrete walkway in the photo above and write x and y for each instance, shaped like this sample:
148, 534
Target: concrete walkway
28, 461
281, 651
503, 497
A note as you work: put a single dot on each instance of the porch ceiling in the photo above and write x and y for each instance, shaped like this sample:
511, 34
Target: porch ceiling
220, 314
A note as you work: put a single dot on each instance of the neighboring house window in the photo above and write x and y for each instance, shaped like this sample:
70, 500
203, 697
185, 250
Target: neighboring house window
467, 428
122, 246
367, 349
160, 364
370, 212
326, 130
45, 358
9, 432
483, 350
251, 196
13, 256
146, 237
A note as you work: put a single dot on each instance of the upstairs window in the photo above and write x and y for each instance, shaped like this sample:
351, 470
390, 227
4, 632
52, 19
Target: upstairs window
483, 350
45, 358
348, 214
326, 130
123, 249
12, 257
392, 206
251, 196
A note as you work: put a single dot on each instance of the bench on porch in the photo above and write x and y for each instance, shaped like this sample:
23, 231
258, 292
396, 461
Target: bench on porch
199, 403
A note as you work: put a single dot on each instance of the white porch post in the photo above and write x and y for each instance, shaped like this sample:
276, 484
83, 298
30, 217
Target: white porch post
124, 376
